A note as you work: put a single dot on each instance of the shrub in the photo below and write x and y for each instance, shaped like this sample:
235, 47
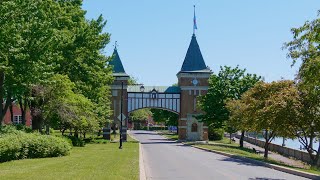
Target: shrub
215, 134
20, 145
76, 141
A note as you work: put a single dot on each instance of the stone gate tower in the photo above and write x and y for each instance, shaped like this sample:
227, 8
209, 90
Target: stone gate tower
119, 86
193, 81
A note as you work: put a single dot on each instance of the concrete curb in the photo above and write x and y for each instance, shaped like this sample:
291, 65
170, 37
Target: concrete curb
272, 166
141, 164
142, 172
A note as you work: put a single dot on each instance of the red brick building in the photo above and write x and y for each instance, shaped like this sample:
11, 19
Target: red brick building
17, 116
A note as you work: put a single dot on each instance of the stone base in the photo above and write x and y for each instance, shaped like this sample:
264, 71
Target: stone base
106, 133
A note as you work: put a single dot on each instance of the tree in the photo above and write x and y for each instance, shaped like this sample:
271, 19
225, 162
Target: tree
305, 47
238, 117
169, 118
229, 84
29, 37
140, 115
270, 108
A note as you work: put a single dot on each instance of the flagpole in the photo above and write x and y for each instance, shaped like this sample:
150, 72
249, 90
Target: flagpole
194, 19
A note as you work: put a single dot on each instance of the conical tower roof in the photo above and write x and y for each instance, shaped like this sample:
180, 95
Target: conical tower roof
116, 63
193, 60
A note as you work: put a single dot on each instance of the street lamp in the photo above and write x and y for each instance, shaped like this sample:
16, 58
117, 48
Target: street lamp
142, 90
121, 115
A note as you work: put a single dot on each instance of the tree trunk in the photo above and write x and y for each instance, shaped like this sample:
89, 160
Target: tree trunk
242, 139
23, 111
230, 137
11, 112
266, 149
266, 145
47, 130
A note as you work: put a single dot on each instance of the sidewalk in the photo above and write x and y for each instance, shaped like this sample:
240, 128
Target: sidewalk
273, 155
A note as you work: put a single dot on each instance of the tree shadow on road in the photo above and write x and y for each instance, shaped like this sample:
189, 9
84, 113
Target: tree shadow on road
263, 178
159, 142
246, 162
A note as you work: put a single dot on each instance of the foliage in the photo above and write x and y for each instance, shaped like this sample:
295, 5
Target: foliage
140, 115
20, 145
160, 115
39, 41
271, 108
305, 47
230, 83
215, 134
78, 142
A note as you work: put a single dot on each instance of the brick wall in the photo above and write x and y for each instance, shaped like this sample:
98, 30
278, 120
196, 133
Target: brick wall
17, 112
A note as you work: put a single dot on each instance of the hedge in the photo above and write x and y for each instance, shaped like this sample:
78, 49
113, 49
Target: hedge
21, 145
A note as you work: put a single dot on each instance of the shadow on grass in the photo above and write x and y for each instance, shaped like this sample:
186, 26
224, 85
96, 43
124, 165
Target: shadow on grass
234, 147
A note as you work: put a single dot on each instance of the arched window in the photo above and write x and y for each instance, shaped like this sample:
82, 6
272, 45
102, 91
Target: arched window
194, 127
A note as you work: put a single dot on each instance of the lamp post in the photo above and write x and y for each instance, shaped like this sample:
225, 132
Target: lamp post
142, 90
121, 118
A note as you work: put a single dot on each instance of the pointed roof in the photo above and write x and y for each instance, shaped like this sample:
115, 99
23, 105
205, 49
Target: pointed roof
116, 62
193, 60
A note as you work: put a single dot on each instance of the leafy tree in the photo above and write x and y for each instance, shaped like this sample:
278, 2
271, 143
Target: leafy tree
169, 118
29, 37
271, 108
238, 117
140, 115
228, 84
305, 47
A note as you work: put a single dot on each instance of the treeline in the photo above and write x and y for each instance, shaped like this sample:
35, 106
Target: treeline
237, 101
51, 63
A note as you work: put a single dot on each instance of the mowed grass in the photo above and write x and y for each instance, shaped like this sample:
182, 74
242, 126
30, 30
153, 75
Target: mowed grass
94, 161
234, 149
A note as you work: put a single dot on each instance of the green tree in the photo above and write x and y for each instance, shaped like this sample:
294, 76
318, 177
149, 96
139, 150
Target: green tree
29, 39
228, 84
270, 108
169, 118
305, 47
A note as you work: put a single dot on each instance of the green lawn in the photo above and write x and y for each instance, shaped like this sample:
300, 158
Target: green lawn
94, 161
234, 149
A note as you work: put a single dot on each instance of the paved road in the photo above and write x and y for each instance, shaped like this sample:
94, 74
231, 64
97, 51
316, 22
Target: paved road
165, 159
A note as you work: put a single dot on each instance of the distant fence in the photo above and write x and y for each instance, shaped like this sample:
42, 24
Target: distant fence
289, 152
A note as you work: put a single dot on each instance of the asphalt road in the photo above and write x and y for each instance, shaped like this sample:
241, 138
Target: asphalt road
165, 159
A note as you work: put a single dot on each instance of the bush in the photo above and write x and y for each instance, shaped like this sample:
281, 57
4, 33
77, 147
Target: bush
76, 141
20, 145
215, 134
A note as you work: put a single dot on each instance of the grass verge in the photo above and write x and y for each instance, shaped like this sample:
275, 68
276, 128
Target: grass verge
247, 153
94, 161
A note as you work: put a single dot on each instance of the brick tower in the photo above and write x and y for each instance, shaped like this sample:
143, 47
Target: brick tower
119, 86
193, 81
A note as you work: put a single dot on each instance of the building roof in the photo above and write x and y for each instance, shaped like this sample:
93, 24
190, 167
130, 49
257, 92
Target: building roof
116, 63
159, 89
193, 60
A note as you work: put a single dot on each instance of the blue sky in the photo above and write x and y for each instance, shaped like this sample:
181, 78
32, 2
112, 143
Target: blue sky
154, 36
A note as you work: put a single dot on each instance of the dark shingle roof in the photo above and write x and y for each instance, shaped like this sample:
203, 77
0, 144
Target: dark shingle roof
116, 63
193, 60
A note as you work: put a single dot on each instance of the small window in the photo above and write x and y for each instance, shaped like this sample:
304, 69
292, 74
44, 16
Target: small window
17, 119
194, 127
